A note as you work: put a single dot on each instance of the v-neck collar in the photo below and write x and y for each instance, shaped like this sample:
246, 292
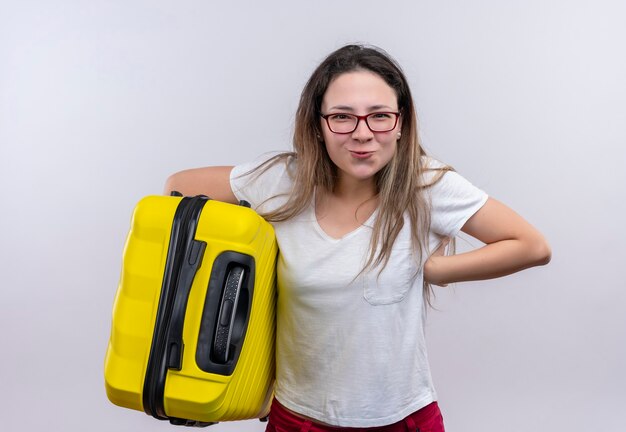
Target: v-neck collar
369, 223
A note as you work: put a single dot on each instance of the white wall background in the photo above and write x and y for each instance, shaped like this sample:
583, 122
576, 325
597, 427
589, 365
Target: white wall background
101, 100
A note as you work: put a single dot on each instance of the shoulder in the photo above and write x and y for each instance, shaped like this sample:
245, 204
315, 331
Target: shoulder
266, 178
433, 170
272, 164
444, 185
430, 163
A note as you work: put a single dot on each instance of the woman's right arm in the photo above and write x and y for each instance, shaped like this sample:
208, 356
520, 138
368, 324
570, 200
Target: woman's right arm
213, 182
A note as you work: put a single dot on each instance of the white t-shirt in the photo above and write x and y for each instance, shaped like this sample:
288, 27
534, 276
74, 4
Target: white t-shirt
351, 352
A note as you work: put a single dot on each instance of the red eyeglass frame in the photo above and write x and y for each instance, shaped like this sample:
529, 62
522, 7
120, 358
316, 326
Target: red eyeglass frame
359, 118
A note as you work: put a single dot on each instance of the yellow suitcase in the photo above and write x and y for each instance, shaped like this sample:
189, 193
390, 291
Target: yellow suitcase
192, 335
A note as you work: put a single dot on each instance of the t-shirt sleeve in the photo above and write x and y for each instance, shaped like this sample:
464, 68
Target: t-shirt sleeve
454, 200
265, 187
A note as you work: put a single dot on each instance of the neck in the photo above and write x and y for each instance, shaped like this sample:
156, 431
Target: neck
354, 190
347, 206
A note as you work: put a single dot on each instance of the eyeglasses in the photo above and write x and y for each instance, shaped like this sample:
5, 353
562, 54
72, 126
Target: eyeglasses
342, 123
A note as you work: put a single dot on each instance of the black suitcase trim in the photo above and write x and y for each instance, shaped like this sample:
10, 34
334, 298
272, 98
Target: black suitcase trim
184, 257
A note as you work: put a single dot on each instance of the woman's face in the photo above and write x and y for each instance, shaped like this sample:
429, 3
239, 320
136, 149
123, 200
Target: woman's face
359, 155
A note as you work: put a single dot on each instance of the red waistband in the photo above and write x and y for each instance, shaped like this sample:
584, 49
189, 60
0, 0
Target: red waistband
285, 419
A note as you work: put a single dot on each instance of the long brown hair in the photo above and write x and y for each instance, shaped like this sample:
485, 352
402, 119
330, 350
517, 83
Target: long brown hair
400, 184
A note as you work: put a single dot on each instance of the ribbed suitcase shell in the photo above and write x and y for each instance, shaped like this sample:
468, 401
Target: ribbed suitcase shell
192, 393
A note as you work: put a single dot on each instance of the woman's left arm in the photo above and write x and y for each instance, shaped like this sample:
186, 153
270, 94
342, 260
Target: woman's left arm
511, 245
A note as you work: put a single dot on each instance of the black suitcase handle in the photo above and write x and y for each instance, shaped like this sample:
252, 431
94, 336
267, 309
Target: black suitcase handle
229, 310
226, 313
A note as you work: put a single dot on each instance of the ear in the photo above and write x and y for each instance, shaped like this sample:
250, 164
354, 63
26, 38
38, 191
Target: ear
399, 125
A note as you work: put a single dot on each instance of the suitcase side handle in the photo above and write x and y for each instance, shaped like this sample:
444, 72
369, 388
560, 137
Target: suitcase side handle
232, 315
226, 313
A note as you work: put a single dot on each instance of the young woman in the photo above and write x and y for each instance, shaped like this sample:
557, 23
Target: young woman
362, 216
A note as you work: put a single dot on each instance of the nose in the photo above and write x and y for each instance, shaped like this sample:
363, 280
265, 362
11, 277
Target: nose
362, 131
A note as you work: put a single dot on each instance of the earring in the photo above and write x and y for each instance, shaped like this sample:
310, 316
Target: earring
399, 135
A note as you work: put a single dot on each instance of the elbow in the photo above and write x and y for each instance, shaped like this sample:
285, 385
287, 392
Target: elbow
171, 184
541, 252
